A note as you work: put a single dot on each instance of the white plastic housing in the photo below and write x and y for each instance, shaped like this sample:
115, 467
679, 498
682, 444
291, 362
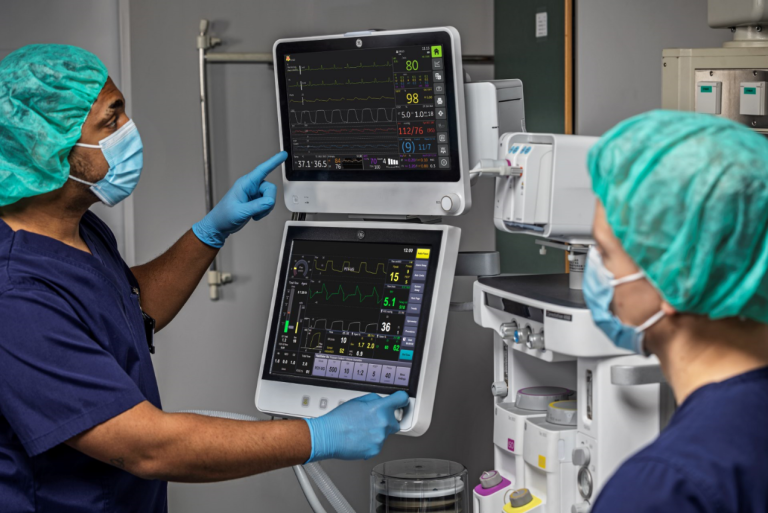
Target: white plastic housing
570, 332
614, 421
549, 473
494, 107
736, 13
709, 97
752, 98
285, 399
553, 198
385, 198
623, 418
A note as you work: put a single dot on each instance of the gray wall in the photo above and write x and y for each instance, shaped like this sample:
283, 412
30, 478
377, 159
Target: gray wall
209, 357
618, 54
89, 24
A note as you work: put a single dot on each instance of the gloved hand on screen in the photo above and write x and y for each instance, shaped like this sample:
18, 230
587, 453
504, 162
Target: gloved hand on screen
356, 429
250, 198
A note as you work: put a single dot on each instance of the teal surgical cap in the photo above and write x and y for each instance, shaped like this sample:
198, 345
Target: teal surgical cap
687, 196
46, 92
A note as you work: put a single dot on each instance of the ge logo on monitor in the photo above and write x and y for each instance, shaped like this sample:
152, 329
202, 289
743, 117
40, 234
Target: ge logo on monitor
359, 43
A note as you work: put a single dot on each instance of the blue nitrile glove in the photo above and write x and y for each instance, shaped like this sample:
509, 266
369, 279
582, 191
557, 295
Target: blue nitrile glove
250, 198
356, 429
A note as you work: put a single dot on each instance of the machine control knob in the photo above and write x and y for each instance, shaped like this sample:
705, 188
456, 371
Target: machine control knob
582, 507
399, 414
499, 389
450, 203
508, 329
535, 341
489, 479
520, 498
521, 335
563, 413
580, 456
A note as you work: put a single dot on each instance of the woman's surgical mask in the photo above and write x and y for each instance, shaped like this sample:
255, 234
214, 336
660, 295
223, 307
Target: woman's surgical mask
125, 155
599, 284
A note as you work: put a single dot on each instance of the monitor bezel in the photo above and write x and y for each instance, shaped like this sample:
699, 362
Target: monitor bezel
373, 41
433, 238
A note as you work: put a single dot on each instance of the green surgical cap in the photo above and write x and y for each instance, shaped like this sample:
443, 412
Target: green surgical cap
46, 92
687, 196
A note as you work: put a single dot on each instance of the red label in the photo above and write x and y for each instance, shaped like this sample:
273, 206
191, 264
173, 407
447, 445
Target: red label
511, 444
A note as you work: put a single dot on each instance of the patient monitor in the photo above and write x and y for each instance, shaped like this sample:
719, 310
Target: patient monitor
357, 308
373, 123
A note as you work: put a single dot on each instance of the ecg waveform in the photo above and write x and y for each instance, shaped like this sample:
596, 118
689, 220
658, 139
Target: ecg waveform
334, 67
367, 115
336, 83
355, 99
374, 295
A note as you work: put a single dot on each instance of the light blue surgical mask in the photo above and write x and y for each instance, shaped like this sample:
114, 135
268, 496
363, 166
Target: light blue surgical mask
599, 284
125, 155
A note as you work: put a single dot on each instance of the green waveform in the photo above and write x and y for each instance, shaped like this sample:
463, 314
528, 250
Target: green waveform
346, 66
335, 83
344, 99
344, 295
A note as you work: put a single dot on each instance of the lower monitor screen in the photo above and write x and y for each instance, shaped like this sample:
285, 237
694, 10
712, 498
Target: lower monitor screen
350, 314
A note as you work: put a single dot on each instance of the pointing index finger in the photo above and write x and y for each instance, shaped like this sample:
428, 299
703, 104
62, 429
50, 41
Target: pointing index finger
254, 178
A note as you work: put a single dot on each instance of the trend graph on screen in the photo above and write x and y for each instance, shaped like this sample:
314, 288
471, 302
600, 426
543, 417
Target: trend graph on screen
368, 109
351, 311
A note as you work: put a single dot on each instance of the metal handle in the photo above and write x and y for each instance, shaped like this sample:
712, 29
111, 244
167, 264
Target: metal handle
630, 375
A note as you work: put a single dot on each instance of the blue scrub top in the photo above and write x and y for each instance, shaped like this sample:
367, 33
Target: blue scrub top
713, 456
73, 354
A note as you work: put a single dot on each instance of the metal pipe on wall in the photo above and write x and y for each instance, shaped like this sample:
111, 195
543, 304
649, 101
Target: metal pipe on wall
204, 43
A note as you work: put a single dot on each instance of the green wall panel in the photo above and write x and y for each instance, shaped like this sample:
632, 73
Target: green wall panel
540, 64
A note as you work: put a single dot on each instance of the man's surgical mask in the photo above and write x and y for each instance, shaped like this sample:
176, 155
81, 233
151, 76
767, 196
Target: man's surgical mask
599, 284
125, 155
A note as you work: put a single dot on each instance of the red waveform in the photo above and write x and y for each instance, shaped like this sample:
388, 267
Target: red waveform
345, 130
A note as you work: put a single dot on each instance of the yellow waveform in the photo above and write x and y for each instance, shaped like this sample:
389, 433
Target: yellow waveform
312, 340
349, 264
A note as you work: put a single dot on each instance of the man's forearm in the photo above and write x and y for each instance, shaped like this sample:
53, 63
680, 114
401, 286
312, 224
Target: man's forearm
192, 448
205, 449
167, 281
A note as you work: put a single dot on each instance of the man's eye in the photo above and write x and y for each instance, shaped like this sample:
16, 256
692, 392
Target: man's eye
113, 124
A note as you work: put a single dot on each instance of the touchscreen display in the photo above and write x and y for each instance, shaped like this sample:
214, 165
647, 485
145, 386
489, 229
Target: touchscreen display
379, 109
351, 312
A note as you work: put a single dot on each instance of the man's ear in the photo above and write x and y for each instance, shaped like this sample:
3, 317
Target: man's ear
668, 309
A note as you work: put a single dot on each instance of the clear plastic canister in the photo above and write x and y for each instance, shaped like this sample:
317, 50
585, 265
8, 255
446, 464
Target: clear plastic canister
419, 486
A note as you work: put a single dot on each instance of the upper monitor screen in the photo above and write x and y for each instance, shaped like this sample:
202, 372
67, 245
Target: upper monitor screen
379, 112
372, 109
353, 314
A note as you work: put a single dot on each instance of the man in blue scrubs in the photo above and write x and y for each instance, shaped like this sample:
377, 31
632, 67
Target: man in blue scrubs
81, 424
680, 271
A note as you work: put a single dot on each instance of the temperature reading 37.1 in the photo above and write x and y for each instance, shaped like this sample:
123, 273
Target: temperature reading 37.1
352, 311
369, 109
